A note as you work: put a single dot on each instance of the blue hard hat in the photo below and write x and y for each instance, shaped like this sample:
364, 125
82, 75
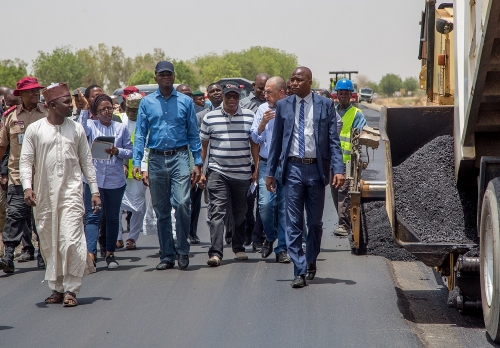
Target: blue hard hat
344, 84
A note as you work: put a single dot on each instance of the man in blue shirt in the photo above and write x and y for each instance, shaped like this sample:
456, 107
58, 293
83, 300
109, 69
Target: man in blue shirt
270, 203
167, 118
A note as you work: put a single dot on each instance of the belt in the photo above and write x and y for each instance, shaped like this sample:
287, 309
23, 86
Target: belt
303, 160
262, 158
169, 152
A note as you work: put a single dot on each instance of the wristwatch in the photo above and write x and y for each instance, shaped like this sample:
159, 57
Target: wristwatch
96, 194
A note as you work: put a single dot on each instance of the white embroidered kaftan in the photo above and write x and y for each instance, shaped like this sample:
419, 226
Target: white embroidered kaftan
59, 154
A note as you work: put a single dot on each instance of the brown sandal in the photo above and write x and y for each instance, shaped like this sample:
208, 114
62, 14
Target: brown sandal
70, 299
56, 297
131, 244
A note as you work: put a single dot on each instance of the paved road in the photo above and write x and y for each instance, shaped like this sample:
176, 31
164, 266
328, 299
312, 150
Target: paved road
353, 302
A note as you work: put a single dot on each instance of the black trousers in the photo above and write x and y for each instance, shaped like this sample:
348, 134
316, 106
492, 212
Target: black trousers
19, 221
225, 192
195, 195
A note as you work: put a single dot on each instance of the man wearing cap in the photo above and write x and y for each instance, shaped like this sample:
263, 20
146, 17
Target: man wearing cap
199, 101
254, 233
134, 199
56, 147
19, 213
169, 118
227, 131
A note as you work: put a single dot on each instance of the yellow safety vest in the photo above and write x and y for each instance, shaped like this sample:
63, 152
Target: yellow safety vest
130, 162
345, 133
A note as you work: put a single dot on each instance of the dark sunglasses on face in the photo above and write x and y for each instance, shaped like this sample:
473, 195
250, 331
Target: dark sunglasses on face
232, 96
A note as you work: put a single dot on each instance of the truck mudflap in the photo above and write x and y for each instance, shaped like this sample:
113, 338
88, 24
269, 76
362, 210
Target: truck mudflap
404, 130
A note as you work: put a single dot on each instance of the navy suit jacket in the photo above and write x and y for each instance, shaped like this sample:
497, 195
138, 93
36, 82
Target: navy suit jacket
326, 137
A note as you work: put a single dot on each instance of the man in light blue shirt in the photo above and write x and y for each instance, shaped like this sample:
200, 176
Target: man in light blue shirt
270, 203
168, 119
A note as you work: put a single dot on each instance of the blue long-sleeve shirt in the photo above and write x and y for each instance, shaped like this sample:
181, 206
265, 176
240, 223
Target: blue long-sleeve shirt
264, 138
171, 123
109, 172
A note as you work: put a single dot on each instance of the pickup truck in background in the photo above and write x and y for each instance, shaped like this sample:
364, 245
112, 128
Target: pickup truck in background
366, 94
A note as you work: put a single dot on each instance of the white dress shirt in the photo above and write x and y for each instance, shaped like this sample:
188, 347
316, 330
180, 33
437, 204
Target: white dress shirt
310, 150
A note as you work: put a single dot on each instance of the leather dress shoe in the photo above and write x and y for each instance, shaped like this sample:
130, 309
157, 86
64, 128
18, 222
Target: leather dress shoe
164, 265
183, 261
7, 265
311, 271
194, 240
283, 257
40, 262
299, 281
267, 249
257, 247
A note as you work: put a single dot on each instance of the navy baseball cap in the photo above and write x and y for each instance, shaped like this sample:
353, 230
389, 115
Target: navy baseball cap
231, 87
164, 66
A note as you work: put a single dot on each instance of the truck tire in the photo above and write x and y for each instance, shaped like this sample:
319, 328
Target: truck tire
490, 259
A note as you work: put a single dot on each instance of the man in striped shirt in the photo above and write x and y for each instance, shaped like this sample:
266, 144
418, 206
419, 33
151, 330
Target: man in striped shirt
229, 175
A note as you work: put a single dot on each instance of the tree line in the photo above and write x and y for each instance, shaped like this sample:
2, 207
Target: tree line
388, 84
109, 67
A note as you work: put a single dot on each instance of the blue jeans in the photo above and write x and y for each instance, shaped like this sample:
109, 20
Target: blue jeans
170, 183
272, 209
111, 200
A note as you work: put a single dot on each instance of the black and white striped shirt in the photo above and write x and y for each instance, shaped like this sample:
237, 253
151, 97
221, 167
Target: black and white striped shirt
229, 138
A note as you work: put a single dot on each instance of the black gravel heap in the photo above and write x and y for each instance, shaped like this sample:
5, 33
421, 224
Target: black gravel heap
377, 235
427, 198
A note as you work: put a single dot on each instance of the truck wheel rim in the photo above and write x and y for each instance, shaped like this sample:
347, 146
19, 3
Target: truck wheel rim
488, 261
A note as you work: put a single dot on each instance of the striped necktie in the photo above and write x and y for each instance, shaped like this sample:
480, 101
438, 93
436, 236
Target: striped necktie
302, 140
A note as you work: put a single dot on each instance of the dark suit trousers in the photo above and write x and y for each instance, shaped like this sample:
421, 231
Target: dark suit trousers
303, 189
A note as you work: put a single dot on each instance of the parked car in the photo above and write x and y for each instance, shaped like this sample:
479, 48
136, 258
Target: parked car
366, 94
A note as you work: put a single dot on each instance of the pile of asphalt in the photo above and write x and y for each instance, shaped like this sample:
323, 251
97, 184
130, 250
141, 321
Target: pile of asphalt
377, 235
427, 198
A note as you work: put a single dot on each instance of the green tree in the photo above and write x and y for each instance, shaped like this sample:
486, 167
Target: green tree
185, 74
12, 71
390, 83
106, 66
141, 77
246, 64
374, 87
62, 65
410, 84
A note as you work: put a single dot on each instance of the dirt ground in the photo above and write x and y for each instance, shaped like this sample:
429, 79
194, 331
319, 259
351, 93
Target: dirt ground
403, 101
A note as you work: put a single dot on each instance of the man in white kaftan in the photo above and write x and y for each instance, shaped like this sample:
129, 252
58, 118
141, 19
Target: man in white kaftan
134, 199
57, 149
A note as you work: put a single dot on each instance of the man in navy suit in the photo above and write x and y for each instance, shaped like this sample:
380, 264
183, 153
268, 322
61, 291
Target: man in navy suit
305, 144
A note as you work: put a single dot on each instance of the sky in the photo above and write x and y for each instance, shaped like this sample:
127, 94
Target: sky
374, 37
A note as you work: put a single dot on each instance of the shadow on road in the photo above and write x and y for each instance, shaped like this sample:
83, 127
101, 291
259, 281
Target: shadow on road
82, 301
6, 327
121, 268
21, 271
318, 280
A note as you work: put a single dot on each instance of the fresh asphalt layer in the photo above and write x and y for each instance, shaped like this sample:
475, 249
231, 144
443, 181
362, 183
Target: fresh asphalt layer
352, 302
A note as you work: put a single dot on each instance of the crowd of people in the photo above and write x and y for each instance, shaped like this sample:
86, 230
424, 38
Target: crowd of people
74, 163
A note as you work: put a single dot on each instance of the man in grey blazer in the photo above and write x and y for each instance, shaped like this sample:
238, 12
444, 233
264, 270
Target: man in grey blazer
305, 144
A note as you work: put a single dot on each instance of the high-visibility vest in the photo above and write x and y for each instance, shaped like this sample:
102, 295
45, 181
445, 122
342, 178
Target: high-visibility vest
130, 162
345, 133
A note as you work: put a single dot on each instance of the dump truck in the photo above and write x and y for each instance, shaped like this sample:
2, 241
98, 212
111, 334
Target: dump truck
460, 52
